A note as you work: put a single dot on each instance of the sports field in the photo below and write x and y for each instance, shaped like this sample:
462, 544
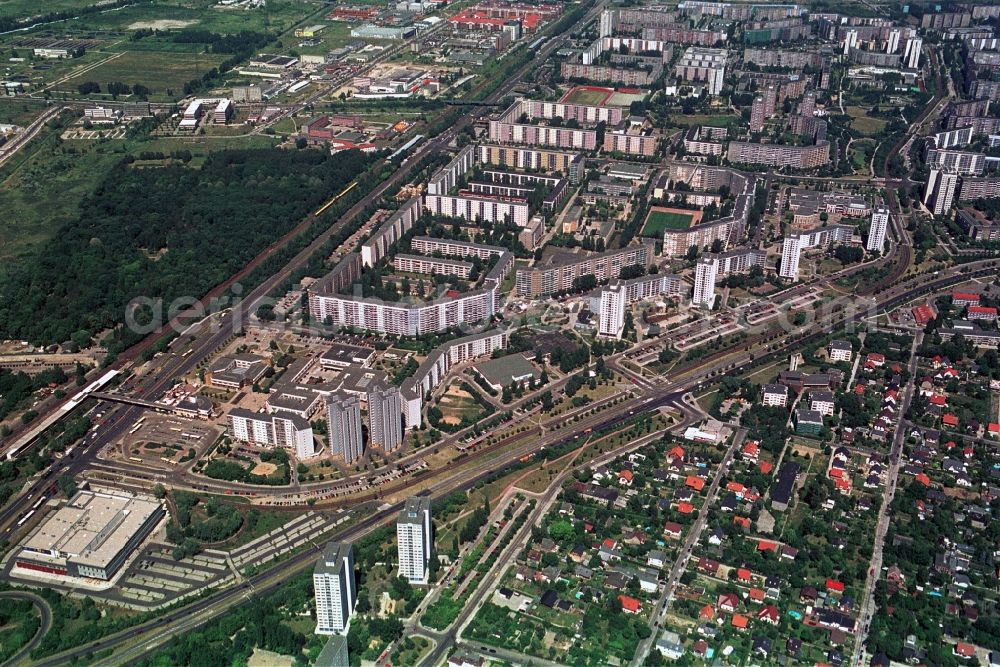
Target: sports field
591, 95
623, 99
661, 219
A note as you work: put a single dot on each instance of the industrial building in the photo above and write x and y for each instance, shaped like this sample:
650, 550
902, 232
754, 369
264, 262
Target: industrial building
92, 536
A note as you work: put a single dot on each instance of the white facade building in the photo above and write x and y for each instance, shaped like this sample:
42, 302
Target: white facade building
612, 316
840, 350
911, 56
790, 251
448, 176
705, 273
385, 418
273, 430
335, 588
343, 418
414, 539
940, 192
893, 42
775, 395
876, 234
474, 207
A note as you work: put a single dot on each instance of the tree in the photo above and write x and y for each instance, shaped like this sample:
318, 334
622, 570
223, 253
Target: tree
67, 485
562, 530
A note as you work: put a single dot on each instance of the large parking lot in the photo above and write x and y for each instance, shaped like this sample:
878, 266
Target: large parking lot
165, 439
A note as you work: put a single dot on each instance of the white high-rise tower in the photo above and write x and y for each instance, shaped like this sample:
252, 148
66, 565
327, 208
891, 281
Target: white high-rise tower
385, 418
414, 539
876, 235
343, 418
705, 273
612, 315
333, 581
790, 251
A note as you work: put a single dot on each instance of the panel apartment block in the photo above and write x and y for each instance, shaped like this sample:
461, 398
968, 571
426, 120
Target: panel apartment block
390, 231
471, 206
796, 157
558, 275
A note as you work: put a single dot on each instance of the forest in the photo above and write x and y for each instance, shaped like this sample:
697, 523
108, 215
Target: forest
164, 232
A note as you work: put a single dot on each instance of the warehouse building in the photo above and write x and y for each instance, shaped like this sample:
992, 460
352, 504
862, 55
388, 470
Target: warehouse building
92, 536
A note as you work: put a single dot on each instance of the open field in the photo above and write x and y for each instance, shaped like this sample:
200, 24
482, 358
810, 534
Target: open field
277, 16
458, 405
18, 112
45, 171
25, 8
661, 219
864, 123
162, 73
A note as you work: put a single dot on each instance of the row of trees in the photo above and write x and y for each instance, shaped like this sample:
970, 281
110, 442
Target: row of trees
114, 88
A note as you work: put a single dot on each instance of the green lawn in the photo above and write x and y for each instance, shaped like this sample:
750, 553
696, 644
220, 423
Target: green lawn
21, 8
163, 73
861, 153
658, 222
863, 123
701, 119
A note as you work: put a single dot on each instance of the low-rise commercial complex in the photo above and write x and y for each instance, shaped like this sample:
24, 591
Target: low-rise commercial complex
92, 536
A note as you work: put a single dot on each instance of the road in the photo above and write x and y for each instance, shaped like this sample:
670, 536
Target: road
881, 528
45, 614
21, 140
694, 534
